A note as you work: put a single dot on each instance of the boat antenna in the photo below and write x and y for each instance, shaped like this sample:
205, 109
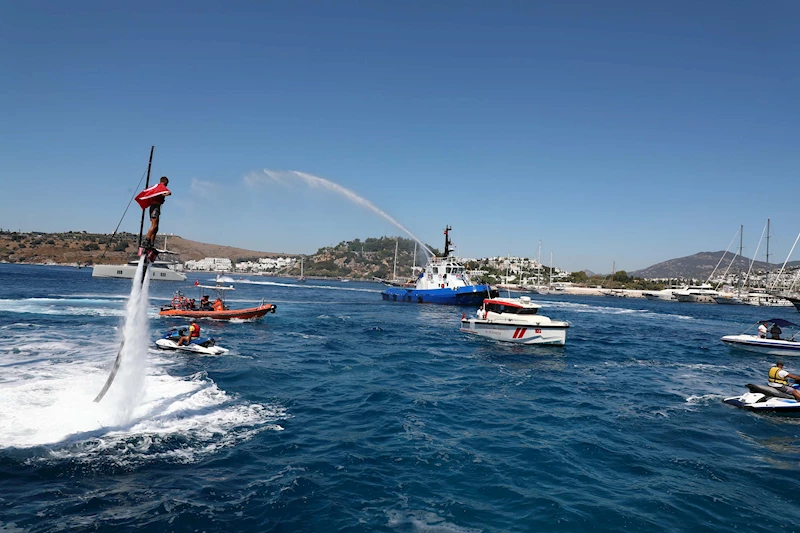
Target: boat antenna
141, 227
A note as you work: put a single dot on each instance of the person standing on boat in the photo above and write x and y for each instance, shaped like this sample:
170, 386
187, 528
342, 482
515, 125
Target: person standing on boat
775, 331
205, 305
762, 330
194, 332
777, 379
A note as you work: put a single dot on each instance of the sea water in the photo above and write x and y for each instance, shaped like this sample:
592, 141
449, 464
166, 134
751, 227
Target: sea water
342, 412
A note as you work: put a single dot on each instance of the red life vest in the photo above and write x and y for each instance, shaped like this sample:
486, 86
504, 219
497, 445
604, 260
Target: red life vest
194, 330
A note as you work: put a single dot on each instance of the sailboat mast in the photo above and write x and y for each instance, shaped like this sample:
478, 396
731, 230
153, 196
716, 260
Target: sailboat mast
766, 276
550, 283
146, 185
539, 265
741, 235
414, 266
396, 243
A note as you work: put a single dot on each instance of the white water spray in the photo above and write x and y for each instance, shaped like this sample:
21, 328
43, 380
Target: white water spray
127, 390
314, 181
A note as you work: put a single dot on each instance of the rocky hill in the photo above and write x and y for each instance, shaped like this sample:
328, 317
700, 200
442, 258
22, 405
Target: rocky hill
87, 248
701, 265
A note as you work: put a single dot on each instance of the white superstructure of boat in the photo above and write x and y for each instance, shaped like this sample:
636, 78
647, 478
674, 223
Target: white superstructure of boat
699, 294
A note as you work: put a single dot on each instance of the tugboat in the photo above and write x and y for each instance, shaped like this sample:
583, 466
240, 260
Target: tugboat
444, 281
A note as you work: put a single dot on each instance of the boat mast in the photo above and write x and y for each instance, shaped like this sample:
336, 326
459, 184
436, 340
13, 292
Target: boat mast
414, 267
611, 283
739, 284
766, 276
396, 243
550, 283
539, 266
146, 185
447, 242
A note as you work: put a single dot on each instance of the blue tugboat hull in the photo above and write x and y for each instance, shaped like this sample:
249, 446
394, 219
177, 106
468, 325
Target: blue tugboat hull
469, 295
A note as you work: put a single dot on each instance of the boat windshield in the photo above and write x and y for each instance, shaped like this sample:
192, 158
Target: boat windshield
511, 310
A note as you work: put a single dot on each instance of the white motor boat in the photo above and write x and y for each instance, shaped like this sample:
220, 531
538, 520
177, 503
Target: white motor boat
764, 398
515, 320
665, 295
767, 346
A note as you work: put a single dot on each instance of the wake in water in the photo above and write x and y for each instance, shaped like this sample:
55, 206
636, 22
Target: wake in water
50, 375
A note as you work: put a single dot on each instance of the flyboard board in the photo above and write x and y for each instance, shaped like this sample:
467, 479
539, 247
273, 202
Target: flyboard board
150, 255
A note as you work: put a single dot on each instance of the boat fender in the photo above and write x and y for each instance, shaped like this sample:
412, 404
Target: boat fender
175, 302
441, 286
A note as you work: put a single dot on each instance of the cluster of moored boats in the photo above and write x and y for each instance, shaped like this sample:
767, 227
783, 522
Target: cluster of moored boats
706, 294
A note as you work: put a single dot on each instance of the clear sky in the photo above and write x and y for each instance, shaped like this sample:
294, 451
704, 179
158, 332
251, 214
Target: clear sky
632, 131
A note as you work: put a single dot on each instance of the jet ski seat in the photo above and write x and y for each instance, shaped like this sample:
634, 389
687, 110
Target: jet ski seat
768, 391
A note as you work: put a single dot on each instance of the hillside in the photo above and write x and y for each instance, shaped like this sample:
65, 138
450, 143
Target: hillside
87, 248
701, 265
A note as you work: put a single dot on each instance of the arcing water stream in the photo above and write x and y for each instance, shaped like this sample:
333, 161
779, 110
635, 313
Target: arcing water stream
314, 181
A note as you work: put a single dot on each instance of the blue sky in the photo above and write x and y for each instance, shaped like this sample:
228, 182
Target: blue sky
632, 132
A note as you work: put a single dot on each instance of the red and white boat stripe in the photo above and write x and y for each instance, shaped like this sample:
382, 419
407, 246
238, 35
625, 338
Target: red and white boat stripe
519, 333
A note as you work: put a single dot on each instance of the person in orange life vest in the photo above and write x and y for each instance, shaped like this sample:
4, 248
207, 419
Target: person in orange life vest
155, 213
218, 305
777, 380
194, 332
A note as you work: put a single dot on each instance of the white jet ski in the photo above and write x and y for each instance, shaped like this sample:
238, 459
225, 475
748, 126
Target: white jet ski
766, 399
199, 345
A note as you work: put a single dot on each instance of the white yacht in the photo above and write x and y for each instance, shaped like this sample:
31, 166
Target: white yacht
161, 269
699, 294
168, 270
665, 295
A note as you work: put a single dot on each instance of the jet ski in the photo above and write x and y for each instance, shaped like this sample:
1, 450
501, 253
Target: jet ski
765, 398
199, 345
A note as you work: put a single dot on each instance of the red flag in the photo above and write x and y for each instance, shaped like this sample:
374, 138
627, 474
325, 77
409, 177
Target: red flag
196, 282
152, 195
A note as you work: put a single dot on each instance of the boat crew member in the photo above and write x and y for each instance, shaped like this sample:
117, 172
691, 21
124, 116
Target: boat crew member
775, 331
205, 305
762, 330
777, 379
155, 213
218, 305
194, 332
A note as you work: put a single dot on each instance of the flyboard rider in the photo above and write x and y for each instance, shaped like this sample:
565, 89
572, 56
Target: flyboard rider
153, 197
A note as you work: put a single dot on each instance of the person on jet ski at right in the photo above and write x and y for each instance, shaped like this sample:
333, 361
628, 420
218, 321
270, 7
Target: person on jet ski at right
777, 379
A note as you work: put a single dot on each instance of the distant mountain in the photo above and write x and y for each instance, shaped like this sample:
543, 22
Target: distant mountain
701, 265
588, 273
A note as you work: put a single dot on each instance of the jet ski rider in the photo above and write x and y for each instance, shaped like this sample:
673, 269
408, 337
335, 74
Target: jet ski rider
194, 332
777, 379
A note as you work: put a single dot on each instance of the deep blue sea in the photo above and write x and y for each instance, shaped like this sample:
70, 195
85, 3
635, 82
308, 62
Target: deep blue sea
342, 412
